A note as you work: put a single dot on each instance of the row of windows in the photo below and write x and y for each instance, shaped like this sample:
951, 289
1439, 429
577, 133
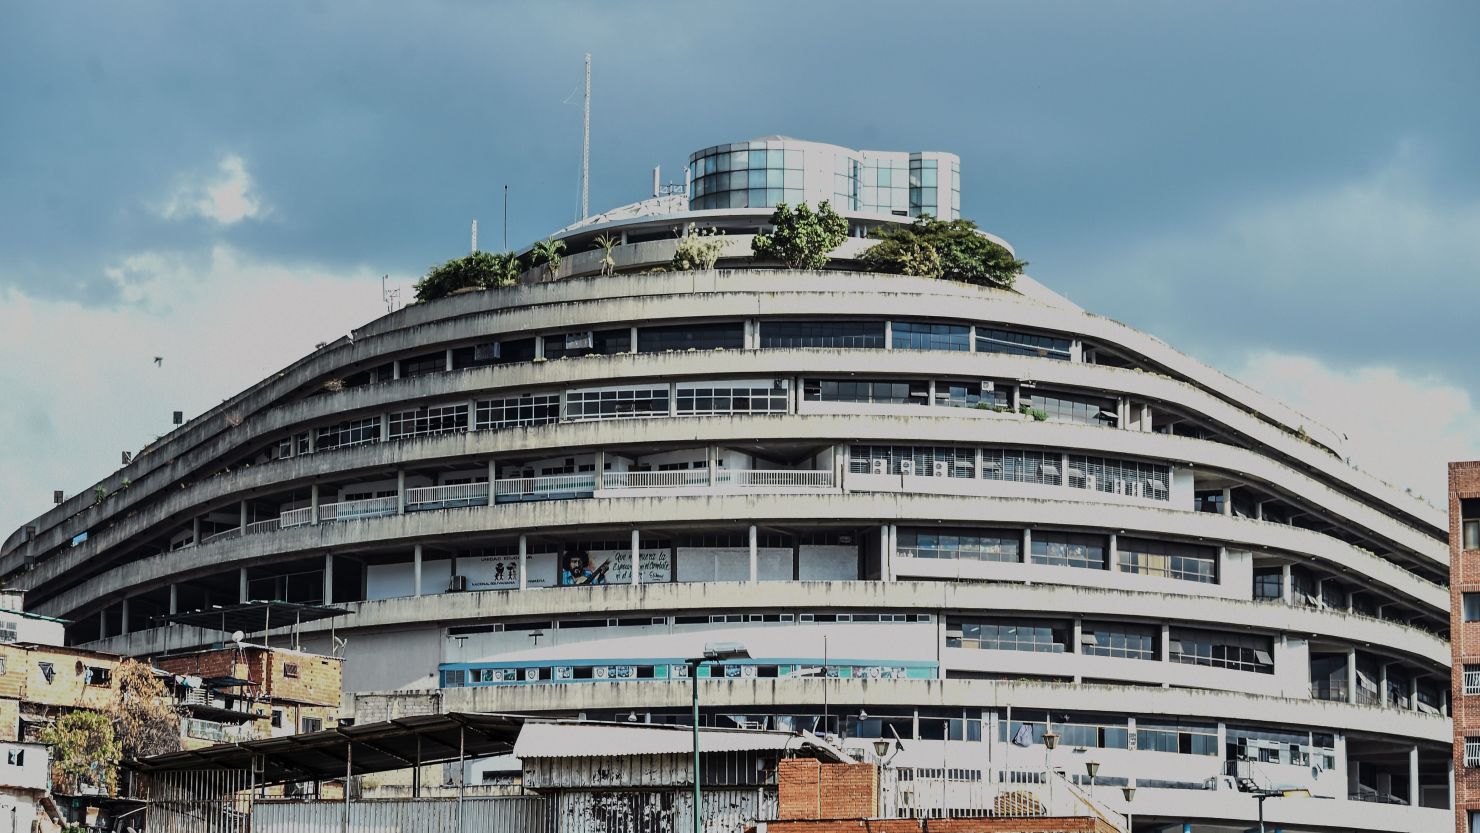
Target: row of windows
439, 419
1104, 474
772, 399
502, 674
1241, 652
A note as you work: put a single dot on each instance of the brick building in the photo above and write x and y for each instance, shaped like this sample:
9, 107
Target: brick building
1464, 589
39, 683
266, 691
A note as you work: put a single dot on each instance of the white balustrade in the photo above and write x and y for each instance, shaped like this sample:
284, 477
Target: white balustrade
674, 479
551, 485
350, 510
295, 517
456, 494
269, 525
777, 478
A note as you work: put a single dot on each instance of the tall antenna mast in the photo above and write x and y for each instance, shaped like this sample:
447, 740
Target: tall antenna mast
586, 148
475, 235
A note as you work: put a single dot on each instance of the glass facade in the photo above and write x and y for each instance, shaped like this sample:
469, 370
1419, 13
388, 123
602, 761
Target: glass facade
764, 172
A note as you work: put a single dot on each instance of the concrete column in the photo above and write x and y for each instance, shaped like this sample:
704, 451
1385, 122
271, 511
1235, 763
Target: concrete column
886, 552
1228, 501
1413, 693
124, 608
400, 491
1351, 675
195, 531
492, 476
1017, 397
1382, 687
971, 339
1027, 545
1146, 420
632, 335
523, 562
1077, 646
244, 517
1413, 776
313, 442
1341, 765
103, 623
242, 581
313, 502
1259, 509
1222, 744
396, 369
712, 459
1112, 554
174, 599
1166, 642
636, 557
888, 335
1076, 350
328, 578
448, 367
673, 399
416, 570
755, 561
1285, 589
385, 427
930, 394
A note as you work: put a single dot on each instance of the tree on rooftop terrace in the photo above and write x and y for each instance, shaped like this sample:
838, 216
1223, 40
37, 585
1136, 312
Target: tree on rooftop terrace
961, 253
479, 270
548, 252
84, 752
799, 238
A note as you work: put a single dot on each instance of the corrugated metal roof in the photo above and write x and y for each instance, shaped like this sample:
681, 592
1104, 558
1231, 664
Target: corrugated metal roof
577, 739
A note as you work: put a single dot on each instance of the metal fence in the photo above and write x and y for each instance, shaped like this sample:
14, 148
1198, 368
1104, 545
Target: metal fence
511, 814
662, 811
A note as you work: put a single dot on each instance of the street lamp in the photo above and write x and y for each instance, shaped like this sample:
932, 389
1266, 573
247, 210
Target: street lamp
1261, 794
1130, 796
1093, 769
713, 652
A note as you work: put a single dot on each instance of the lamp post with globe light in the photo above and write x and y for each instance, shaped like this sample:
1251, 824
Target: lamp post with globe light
713, 652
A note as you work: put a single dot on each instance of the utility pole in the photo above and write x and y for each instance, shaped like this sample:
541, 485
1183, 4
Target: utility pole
586, 147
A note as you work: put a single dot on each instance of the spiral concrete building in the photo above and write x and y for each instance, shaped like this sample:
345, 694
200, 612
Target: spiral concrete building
963, 516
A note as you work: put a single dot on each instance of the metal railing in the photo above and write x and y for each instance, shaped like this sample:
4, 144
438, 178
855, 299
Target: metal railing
545, 487
457, 494
348, 510
269, 525
295, 517
777, 478
223, 535
910, 793
677, 478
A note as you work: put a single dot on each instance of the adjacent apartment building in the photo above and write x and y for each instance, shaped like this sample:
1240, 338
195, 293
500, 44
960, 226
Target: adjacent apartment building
969, 520
1464, 561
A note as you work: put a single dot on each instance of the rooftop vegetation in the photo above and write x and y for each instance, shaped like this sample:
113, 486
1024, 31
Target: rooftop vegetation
949, 249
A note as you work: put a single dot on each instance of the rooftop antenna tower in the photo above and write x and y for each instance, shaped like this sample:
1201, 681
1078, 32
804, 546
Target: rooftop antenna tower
475, 235
392, 296
586, 147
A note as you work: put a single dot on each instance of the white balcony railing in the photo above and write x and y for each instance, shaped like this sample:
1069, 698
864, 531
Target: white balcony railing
545, 487
295, 517
349, 510
457, 494
678, 478
223, 535
778, 478
269, 525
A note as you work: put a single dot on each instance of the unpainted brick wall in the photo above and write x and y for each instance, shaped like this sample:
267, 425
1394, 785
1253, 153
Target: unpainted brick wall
1059, 824
809, 789
1464, 577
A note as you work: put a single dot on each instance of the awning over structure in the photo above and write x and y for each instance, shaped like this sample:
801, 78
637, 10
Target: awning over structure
255, 617
587, 739
373, 747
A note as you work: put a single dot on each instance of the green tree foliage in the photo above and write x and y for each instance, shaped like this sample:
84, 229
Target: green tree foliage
801, 239
548, 252
480, 270
698, 250
83, 751
961, 253
607, 244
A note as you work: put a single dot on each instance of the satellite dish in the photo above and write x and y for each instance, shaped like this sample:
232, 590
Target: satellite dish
237, 637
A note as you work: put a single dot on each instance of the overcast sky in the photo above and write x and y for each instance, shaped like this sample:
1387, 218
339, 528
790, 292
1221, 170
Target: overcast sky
1290, 192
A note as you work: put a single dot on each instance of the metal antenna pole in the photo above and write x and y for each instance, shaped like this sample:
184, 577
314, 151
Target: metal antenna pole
475, 235
506, 217
586, 148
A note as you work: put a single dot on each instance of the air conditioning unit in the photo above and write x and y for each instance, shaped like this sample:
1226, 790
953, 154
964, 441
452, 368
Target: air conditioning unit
907, 467
941, 469
458, 584
878, 466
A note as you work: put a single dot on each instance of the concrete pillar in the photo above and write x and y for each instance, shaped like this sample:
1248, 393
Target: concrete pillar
396, 369
1413, 776
523, 562
242, 582
1027, 545
1017, 398
1413, 693
673, 399
1341, 765
712, 460
124, 608
600, 469
1351, 675
636, 557
1285, 589
886, 552
1166, 654
385, 427
1228, 501
492, 476
328, 578
1222, 744
1382, 686
1112, 553
755, 562
243, 523
174, 599
195, 531
416, 570
448, 367
400, 491
313, 502
888, 335
632, 336
1076, 644
103, 623
930, 394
